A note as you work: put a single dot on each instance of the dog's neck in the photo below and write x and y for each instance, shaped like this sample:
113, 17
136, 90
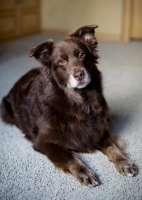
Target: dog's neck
78, 103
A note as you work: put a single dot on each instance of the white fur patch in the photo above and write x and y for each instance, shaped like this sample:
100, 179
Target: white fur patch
73, 83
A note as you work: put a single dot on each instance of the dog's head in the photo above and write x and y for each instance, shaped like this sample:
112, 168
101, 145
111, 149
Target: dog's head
70, 61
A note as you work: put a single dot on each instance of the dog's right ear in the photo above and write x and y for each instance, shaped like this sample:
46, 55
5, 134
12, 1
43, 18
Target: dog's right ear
86, 34
42, 52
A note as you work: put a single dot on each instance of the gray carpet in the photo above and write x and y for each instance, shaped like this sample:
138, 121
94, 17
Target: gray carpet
28, 175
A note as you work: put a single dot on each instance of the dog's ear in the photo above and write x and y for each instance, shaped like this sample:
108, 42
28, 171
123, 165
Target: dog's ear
86, 34
42, 52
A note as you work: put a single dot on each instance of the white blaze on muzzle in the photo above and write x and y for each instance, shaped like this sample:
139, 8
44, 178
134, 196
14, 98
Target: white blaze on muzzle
73, 83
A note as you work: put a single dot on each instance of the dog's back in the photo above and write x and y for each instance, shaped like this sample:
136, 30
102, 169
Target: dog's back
14, 106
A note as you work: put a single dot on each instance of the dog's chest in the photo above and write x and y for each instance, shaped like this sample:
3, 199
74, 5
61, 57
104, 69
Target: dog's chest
78, 135
76, 126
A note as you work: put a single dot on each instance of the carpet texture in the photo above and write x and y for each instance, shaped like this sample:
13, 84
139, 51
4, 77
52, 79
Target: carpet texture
29, 175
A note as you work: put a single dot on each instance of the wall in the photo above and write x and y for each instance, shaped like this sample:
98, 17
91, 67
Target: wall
66, 15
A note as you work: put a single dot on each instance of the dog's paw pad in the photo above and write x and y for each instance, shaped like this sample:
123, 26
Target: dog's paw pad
127, 168
87, 178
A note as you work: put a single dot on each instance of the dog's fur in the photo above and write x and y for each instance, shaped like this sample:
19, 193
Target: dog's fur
60, 107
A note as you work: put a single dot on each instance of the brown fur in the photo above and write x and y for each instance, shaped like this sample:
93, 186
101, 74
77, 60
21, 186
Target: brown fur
61, 120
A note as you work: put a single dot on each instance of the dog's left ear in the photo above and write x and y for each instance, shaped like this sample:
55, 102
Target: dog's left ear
86, 34
42, 52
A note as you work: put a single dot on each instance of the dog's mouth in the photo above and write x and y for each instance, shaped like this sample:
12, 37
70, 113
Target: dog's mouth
82, 84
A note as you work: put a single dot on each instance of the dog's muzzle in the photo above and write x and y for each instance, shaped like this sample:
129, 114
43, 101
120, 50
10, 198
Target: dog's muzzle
79, 79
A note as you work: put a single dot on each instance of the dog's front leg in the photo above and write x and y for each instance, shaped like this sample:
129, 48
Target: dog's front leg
67, 161
123, 165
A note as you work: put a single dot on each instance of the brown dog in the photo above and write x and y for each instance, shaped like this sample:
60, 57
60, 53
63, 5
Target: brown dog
60, 107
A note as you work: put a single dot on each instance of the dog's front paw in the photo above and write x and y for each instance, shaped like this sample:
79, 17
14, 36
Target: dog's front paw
86, 177
127, 168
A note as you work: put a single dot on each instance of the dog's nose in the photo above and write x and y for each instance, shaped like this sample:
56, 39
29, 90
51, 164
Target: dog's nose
79, 75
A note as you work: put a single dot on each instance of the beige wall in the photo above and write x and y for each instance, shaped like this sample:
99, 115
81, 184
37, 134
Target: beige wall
65, 15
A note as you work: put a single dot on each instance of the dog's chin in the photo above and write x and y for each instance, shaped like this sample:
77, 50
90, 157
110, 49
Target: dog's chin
79, 84
82, 84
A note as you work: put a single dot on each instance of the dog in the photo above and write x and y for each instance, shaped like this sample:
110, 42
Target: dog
61, 109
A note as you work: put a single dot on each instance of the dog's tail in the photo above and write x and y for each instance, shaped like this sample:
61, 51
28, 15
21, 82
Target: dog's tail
6, 110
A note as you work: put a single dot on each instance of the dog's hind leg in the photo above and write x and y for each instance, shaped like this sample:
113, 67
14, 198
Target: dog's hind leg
110, 148
68, 162
6, 110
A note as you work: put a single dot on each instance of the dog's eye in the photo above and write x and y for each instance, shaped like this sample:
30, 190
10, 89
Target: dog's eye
62, 62
81, 55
